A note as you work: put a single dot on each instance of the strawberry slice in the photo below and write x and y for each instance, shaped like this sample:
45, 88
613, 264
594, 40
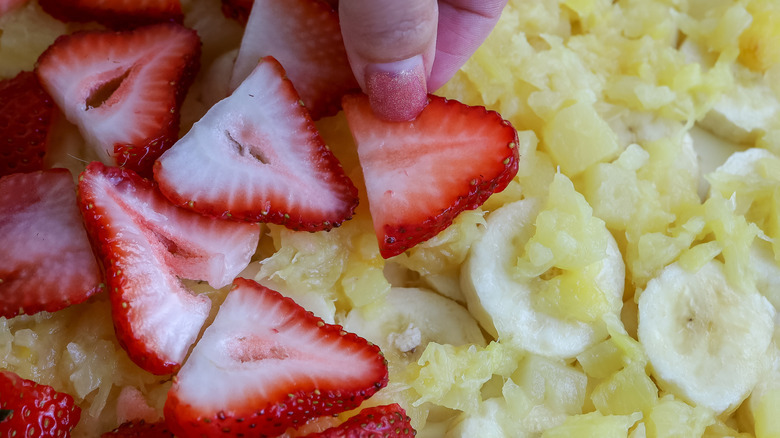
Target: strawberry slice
237, 10
47, 263
145, 243
389, 421
140, 429
27, 114
123, 89
29, 409
7, 6
305, 37
267, 364
116, 14
421, 174
257, 156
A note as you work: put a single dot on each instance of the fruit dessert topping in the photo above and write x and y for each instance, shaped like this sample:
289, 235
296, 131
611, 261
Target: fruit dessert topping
116, 14
257, 156
47, 260
305, 37
388, 421
27, 113
29, 409
145, 245
140, 429
421, 174
267, 364
123, 89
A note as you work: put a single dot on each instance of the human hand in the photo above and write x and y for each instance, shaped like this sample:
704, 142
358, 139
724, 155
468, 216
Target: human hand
401, 49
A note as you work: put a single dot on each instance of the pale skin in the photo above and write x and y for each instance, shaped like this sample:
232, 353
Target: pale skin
400, 50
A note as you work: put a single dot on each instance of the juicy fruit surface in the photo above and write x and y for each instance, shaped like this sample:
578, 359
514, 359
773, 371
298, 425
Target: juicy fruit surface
122, 14
144, 244
123, 89
39, 219
35, 410
420, 175
634, 102
27, 113
387, 421
256, 156
266, 364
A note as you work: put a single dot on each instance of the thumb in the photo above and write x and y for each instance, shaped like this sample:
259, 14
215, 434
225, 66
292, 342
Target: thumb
391, 45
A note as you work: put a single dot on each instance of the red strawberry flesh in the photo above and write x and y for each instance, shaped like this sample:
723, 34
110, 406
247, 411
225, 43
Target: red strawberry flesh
27, 113
140, 429
257, 156
35, 410
123, 89
305, 37
146, 244
389, 421
116, 14
267, 364
47, 262
421, 174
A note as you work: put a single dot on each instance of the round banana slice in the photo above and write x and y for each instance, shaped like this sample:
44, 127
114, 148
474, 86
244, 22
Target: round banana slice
411, 318
503, 302
707, 342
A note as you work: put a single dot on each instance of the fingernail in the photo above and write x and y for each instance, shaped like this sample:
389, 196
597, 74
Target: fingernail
397, 90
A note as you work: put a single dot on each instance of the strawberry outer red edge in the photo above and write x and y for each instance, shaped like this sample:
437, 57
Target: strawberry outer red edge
48, 413
119, 18
377, 421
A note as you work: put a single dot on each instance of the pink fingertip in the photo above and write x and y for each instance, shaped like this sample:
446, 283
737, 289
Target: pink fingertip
397, 91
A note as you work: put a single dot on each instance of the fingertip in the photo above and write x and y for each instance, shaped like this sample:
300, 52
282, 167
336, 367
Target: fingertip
397, 91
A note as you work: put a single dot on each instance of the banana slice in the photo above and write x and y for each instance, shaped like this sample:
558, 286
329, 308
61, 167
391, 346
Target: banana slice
411, 318
707, 342
503, 303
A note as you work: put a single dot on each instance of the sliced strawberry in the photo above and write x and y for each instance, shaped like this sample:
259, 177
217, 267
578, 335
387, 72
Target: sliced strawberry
257, 156
140, 429
237, 10
389, 421
123, 89
305, 37
267, 364
7, 6
34, 410
145, 243
421, 174
116, 14
27, 113
47, 263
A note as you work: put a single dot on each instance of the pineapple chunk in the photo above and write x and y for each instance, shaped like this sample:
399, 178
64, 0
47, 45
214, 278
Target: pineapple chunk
767, 421
558, 386
759, 44
673, 418
593, 424
627, 391
577, 137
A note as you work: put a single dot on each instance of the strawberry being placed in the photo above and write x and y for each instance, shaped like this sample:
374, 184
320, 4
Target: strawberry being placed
123, 89
421, 174
29, 409
267, 364
140, 429
27, 113
116, 14
146, 244
389, 421
257, 156
47, 262
305, 37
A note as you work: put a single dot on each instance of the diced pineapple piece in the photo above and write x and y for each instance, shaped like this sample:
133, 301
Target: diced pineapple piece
574, 294
759, 44
24, 34
593, 424
767, 421
453, 376
559, 386
627, 391
577, 137
673, 418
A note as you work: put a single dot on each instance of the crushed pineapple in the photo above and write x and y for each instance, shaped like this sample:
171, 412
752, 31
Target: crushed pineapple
605, 95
